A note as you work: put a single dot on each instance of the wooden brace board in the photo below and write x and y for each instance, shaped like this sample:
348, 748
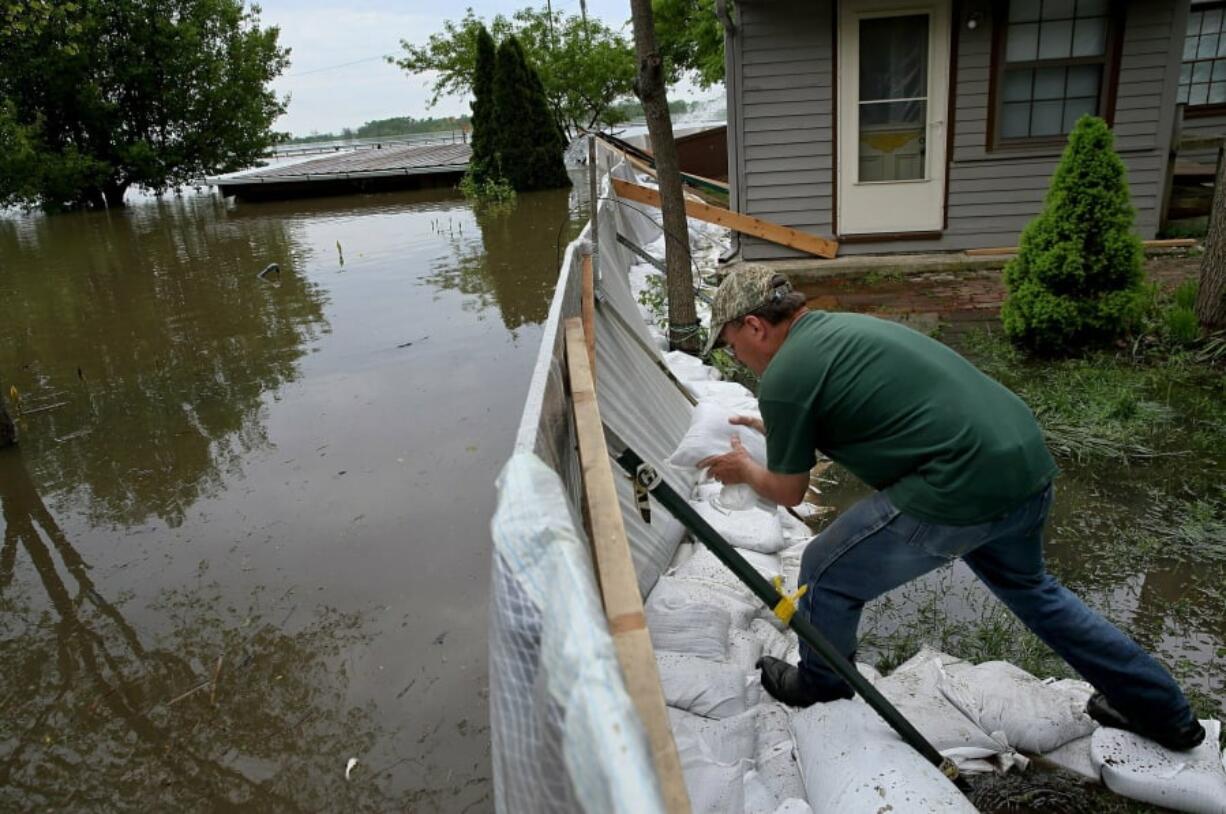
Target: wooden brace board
745, 224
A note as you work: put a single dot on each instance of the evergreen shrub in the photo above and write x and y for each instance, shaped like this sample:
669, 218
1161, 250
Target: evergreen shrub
528, 143
1078, 279
482, 165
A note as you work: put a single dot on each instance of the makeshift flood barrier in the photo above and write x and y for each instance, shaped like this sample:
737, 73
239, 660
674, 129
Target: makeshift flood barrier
566, 733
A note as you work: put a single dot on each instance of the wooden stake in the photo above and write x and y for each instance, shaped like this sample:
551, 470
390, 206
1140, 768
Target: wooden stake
745, 224
615, 570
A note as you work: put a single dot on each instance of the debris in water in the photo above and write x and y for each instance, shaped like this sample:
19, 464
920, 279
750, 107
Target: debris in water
353, 761
413, 342
440, 637
271, 268
340, 253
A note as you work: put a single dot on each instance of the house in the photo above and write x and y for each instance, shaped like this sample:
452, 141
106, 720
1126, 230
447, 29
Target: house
1202, 92
935, 125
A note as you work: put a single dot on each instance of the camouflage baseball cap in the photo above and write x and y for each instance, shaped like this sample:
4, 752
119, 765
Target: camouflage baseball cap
742, 291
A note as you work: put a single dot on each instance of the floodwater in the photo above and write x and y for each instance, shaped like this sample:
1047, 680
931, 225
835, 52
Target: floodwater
245, 532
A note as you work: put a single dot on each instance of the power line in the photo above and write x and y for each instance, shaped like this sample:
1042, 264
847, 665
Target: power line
381, 57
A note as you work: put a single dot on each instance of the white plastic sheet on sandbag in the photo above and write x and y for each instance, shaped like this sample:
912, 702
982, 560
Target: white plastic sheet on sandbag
1075, 756
724, 740
915, 689
564, 734
702, 686
852, 761
689, 368
697, 629
1036, 716
1140, 769
713, 787
735, 397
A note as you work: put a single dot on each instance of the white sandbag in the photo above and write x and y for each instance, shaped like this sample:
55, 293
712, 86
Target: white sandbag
672, 593
852, 761
706, 566
702, 686
871, 673
724, 740
752, 529
1035, 716
698, 629
775, 642
758, 798
744, 650
914, 688
710, 433
713, 788
794, 806
1075, 757
688, 368
728, 498
793, 529
776, 754
1142, 770
733, 396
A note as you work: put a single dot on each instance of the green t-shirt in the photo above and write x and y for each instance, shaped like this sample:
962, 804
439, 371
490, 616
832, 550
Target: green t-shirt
903, 413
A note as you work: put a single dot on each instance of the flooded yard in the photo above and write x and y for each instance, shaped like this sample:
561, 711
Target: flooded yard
245, 532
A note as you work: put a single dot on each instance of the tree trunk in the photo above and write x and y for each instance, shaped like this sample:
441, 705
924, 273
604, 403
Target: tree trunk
649, 86
8, 430
1211, 299
114, 192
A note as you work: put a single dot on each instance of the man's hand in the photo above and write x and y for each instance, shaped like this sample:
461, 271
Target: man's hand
731, 467
751, 421
738, 467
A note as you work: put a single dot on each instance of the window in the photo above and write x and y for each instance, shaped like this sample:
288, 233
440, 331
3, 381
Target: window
1202, 79
1053, 66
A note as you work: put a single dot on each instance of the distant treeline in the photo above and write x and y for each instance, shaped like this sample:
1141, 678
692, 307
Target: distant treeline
386, 128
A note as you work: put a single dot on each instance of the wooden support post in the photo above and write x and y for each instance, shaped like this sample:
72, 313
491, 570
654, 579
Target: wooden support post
745, 224
587, 307
618, 584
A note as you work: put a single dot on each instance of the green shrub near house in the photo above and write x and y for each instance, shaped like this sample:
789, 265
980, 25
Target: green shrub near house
1078, 279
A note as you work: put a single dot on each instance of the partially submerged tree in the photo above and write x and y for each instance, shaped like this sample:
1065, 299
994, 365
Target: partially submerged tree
584, 65
8, 430
1211, 296
649, 87
691, 39
103, 96
1078, 275
527, 145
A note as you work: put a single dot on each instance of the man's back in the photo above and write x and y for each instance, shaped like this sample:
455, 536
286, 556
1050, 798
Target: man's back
905, 414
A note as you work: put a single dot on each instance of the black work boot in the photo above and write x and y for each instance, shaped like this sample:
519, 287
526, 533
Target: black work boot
1179, 739
786, 683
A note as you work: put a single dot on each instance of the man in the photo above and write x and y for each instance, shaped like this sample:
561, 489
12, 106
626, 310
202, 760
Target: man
961, 470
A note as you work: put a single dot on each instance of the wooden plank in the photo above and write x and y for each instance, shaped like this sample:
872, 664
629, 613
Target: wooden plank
618, 584
587, 306
1174, 243
745, 224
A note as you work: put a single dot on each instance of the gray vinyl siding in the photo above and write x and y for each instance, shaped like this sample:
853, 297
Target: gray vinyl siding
1203, 126
787, 147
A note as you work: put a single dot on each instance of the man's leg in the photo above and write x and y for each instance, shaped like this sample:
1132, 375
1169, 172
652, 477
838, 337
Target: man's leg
1132, 681
866, 552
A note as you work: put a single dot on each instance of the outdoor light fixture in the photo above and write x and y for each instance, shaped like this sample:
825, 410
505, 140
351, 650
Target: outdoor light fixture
973, 20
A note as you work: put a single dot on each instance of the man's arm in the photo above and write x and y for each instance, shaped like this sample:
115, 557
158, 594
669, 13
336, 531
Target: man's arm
738, 467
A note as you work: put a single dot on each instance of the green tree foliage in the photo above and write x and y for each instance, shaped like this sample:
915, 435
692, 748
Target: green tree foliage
584, 66
1078, 278
482, 165
527, 144
691, 39
387, 128
103, 94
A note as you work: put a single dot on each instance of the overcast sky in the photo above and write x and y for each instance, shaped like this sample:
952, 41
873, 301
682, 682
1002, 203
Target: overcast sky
337, 77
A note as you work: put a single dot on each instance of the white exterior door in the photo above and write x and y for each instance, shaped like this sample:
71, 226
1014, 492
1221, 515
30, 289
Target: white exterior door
893, 76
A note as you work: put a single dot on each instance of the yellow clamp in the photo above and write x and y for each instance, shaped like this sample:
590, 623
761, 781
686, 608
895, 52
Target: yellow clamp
785, 608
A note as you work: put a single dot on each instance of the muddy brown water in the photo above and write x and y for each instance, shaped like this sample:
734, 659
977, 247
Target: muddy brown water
245, 532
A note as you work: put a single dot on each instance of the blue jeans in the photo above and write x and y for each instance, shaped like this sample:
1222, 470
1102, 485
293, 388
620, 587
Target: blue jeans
873, 548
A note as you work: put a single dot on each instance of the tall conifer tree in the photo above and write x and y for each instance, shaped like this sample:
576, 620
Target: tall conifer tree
484, 164
527, 141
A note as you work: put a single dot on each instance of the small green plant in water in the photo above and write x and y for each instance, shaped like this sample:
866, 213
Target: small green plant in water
491, 194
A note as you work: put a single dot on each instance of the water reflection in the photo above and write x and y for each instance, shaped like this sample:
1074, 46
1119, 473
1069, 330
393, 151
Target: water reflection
228, 708
157, 340
513, 268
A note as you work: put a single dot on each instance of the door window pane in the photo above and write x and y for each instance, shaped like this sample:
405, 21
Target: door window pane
892, 143
1201, 71
1189, 47
1198, 95
1219, 71
1217, 93
1212, 22
1046, 118
1208, 46
894, 57
1017, 85
1049, 83
1083, 80
1194, 19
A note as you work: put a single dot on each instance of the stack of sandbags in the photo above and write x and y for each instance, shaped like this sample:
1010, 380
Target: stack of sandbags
1134, 767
